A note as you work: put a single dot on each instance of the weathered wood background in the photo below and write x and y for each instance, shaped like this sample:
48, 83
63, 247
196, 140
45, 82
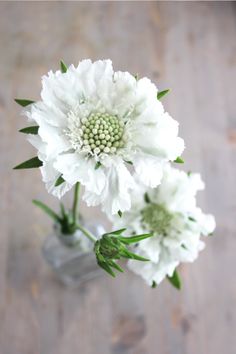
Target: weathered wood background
189, 47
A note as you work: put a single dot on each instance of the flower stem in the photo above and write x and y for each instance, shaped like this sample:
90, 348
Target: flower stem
75, 203
87, 233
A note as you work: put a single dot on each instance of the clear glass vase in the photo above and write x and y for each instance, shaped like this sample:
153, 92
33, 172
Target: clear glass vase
71, 256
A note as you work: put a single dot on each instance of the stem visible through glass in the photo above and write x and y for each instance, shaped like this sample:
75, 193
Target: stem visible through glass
75, 214
76, 202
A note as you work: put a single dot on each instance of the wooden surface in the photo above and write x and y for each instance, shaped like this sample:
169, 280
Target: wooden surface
189, 47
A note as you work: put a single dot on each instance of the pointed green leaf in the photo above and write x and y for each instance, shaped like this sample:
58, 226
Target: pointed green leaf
32, 163
98, 164
138, 258
116, 232
23, 102
116, 266
30, 130
59, 181
47, 210
175, 280
154, 284
129, 162
106, 267
179, 160
127, 254
146, 198
162, 94
120, 213
191, 219
134, 239
63, 67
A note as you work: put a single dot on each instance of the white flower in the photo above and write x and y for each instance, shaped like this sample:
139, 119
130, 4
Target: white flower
92, 116
170, 212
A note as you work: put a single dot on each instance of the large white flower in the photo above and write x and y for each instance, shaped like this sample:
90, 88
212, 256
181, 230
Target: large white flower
93, 123
170, 212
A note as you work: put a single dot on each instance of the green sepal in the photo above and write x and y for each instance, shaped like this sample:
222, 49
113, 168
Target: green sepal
175, 280
63, 67
23, 102
98, 164
120, 213
31, 163
47, 210
59, 181
30, 130
179, 160
162, 93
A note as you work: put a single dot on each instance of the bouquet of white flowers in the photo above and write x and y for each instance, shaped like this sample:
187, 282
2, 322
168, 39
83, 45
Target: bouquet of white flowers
108, 132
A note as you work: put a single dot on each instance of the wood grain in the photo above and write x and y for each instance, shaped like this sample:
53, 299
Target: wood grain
189, 47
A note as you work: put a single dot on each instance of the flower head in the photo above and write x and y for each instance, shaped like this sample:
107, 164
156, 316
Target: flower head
94, 122
170, 213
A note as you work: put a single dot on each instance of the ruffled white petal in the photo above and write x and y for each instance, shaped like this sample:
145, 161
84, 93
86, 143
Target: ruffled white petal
115, 195
76, 168
50, 176
149, 169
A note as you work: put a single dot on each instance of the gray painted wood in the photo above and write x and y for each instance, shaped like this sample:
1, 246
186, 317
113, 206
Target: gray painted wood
189, 47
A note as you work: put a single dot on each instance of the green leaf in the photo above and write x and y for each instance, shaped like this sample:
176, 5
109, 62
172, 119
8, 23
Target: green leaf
162, 94
127, 254
175, 280
30, 130
106, 267
154, 284
191, 219
47, 210
23, 102
117, 232
129, 162
63, 67
98, 164
59, 181
179, 160
134, 239
146, 198
120, 213
116, 266
32, 163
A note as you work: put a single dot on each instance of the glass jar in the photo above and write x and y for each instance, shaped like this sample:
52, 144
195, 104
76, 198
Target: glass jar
71, 256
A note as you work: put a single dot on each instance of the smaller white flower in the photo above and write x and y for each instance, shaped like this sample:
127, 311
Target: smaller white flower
170, 212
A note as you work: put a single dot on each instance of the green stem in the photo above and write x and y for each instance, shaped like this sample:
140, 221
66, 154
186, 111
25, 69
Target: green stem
76, 202
87, 233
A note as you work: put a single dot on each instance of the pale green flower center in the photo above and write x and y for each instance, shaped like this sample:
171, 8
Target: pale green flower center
156, 218
102, 132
